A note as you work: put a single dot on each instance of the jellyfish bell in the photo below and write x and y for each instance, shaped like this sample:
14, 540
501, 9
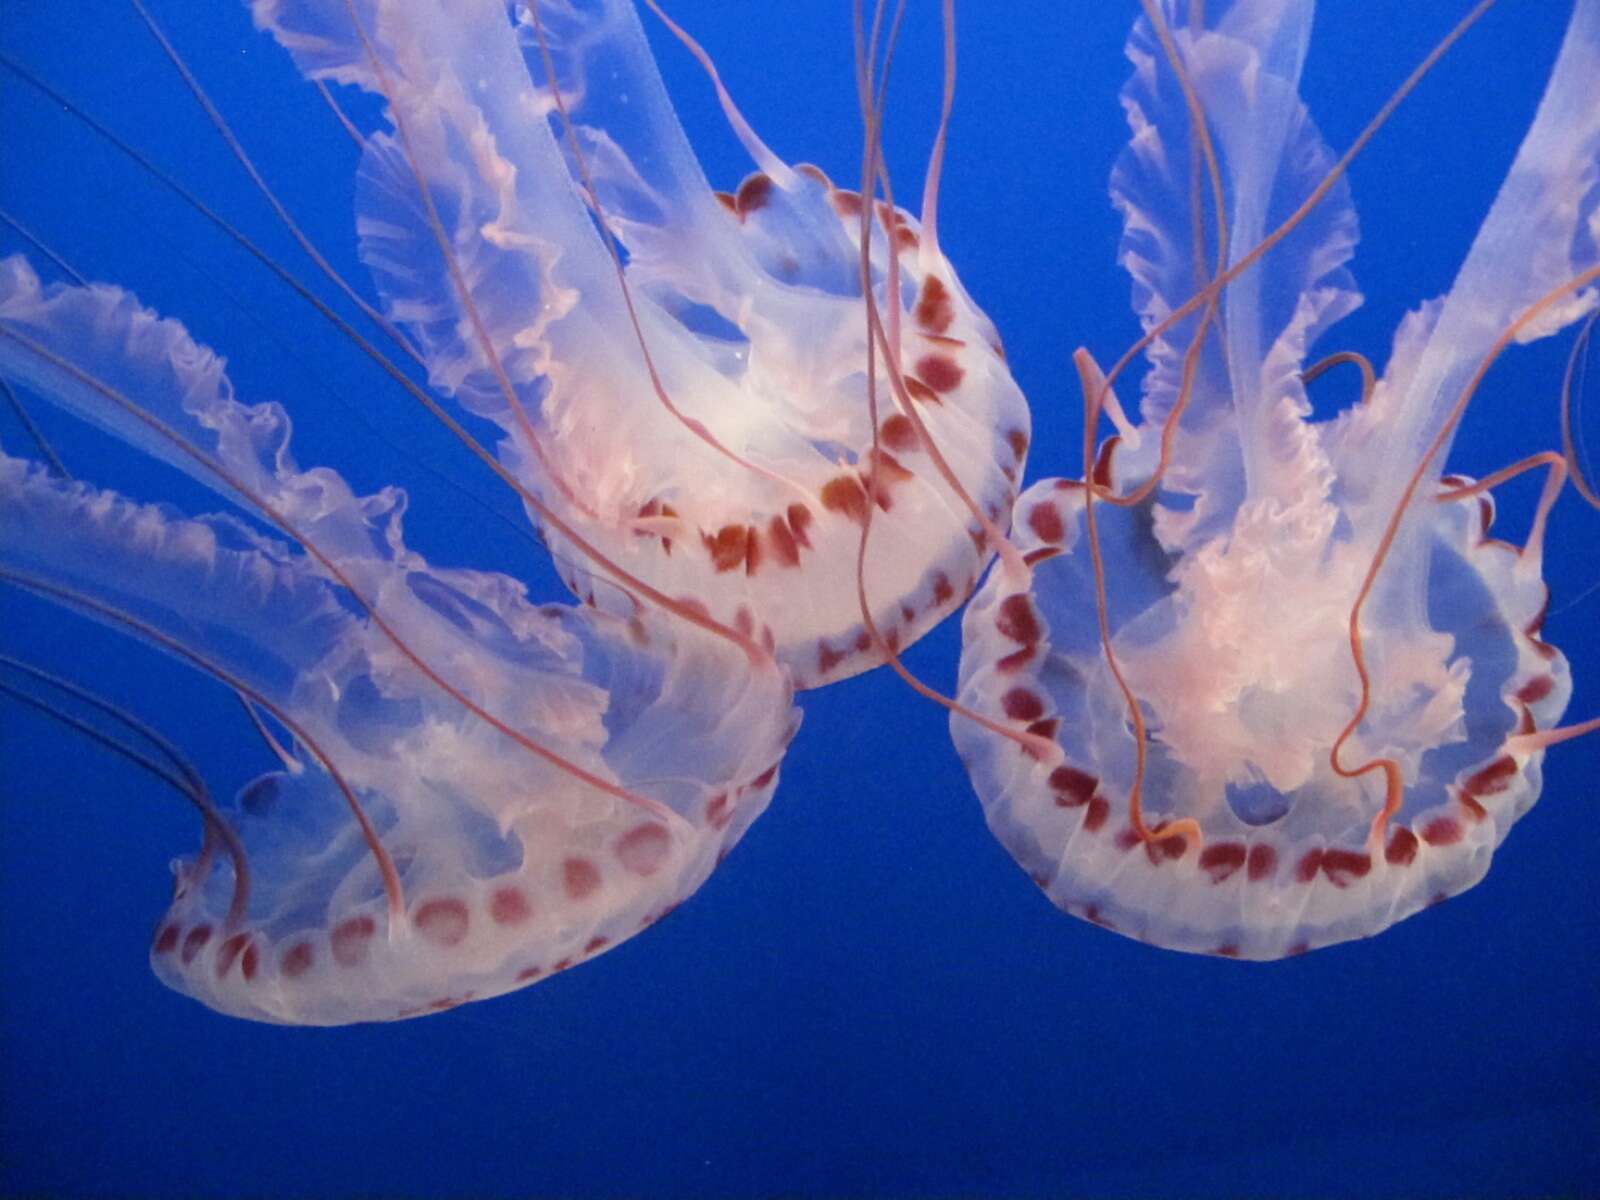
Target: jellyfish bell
680, 375
1316, 697
482, 791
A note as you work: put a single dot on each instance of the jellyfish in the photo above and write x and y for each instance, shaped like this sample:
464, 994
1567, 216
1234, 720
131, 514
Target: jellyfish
680, 375
1296, 687
477, 791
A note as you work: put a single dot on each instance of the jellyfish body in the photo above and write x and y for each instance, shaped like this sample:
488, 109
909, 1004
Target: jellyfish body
697, 406
544, 781
1229, 589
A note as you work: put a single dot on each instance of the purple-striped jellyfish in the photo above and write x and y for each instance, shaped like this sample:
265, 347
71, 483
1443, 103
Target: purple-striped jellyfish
1298, 690
478, 791
680, 375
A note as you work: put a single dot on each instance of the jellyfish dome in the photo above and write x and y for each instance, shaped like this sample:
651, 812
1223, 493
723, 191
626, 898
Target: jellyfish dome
480, 791
682, 376
1336, 671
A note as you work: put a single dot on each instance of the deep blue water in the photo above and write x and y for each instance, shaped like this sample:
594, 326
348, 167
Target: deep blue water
869, 998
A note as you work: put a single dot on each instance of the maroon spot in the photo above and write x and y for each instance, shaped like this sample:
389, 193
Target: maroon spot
580, 877
1096, 814
1047, 728
728, 548
844, 494
1496, 777
167, 939
443, 921
528, 974
898, 433
1297, 949
1344, 867
1018, 441
296, 960
1127, 838
251, 963
1093, 913
940, 372
1016, 660
1165, 849
228, 953
942, 591
351, 940
883, 474
934, 310
1020, 704
1442, 831
194, 942
1261, 863
1474, 810
1102, 462
1229, 950
1072, 786
1017, 620
782, 542
727, 201
509, 906
752, 550
1536, 689
1308, 866
753, 193
1042, 554
719, 810
828, 658
1402, 848
596, 944
920, 391
1222, 859
643, 848
561, 966
799, 521
766, 777
1045, 521
846, 203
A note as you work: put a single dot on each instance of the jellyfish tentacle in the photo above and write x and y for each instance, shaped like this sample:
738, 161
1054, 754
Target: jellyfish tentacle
884, 337
31, 428
871, 93
1540, 310
758, 150
1571, 446
1532, 551
609, 237
291, 764
303, 293
189, 399
1206, 296
38, 243
1097, 390
178, 773
116, 615
285, 217
1530, 272
1369, 376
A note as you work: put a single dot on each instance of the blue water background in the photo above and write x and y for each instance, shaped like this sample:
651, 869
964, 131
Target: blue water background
869, 998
